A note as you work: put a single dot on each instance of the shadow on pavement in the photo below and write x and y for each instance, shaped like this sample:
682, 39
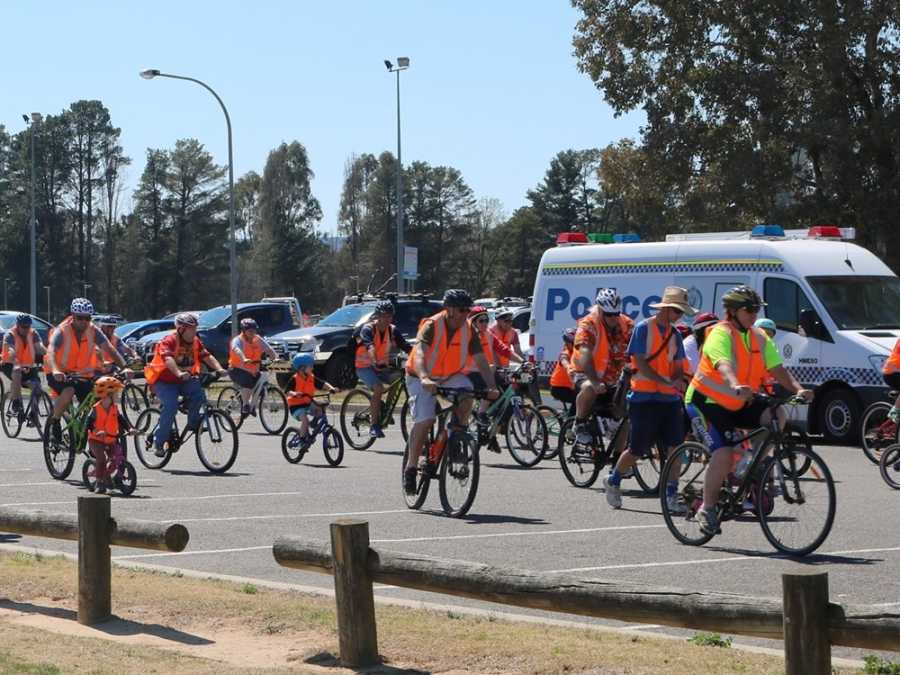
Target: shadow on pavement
812, 559
202, 473
487, 518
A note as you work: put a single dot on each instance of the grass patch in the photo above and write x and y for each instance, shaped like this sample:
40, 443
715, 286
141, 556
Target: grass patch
249, 589
13, 666
710, 640
875, 665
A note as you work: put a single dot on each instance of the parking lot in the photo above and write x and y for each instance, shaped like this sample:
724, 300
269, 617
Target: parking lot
527, 518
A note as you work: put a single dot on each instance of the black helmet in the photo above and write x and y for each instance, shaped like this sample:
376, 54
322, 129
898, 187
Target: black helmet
742, 296
23, 319
456, 297
384, 307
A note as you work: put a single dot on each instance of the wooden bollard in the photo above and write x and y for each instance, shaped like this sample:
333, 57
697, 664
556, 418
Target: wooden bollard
807, 648
353, 593
94, 563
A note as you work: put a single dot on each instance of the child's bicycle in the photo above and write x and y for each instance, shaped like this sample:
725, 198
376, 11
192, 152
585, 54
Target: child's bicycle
877, 430
294, 446
32, 416
889, 465
271, 406
124, 477
356, 418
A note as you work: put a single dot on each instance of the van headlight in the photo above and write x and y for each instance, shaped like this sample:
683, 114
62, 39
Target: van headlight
877, 362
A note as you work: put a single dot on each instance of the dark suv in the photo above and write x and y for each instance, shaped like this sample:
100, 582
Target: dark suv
329, 340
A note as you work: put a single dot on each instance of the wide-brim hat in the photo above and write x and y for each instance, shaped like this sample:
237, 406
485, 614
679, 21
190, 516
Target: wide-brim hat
677, 298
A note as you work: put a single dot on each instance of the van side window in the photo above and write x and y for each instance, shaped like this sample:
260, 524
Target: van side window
784, 302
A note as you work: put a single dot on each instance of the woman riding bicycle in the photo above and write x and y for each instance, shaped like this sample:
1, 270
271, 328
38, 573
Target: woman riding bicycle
245, 352
561, 387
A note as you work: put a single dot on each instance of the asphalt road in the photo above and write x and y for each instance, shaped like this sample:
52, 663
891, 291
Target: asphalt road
526, 518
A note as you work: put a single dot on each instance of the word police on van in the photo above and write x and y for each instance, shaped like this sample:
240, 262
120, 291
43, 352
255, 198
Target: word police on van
836, 305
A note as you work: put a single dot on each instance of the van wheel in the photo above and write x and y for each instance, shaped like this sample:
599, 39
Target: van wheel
341, 371
838, 414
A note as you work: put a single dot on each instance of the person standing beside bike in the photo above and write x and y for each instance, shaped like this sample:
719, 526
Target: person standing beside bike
373, 351
21, 348
733, 365
172, 373
244, 355
445, 343
654, 404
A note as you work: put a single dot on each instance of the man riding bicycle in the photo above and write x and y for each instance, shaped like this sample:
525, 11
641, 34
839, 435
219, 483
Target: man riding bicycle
244, 355
445, 343
108, 325
734, 362
173, 372
373, 349
21, 347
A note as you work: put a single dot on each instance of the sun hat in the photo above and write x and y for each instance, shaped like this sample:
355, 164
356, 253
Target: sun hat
677, 298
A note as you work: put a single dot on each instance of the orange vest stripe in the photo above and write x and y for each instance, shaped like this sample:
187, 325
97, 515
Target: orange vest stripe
108, 421
749, 368
663, 363
24, 349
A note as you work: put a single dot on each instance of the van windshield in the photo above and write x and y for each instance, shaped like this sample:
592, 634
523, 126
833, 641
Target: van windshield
859, 302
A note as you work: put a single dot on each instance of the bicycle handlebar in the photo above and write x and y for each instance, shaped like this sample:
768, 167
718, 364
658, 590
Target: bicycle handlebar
775, 401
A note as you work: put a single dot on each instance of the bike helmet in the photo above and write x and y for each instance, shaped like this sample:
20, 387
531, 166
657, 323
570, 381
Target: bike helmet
81, 306
106, 385
248, 323
302, 360
608, 301
185, 319
569, 335
456, 297
503, 314
683, 329
383, 308
742, 297
704, 320
23, 319
477, 311
105, 320
766, 325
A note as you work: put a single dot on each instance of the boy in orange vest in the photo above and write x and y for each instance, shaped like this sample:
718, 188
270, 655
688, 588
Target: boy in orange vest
303, 388
104, 424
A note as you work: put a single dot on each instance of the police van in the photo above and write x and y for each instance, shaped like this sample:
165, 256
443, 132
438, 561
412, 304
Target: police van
836, 304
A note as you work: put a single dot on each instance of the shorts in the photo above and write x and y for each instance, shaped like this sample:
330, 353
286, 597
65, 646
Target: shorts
28, 374
717, 427
892, 380
564, 394
82, 387
243, 378
423, 404
371, 377
478, 383
298, 410
653, 421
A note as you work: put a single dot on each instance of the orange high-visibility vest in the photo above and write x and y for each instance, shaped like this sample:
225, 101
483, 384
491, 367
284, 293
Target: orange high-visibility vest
749, 368
892, 365
443, 358
24, 349
506, 338
382, 347
304, 386
106, 420
154, 369
487, 348
560, 375
76, 356
663, 363
252, 349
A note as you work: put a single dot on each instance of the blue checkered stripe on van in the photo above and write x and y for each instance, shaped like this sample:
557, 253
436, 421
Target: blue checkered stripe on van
815, 375
656, 267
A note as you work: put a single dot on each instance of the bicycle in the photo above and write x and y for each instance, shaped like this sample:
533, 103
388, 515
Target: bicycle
779, 480
554, 420
877, 430
32, 416
355, 426
889, 465
124, 477
272, 404
525, 430
294, 446
215, 437
452, 458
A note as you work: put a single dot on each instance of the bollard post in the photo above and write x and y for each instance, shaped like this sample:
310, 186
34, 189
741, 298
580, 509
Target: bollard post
94, 564
353, 593
807, 649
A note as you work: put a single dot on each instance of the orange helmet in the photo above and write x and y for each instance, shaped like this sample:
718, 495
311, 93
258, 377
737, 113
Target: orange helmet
107, 385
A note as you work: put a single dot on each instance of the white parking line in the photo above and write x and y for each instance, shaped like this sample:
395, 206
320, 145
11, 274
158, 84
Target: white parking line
49, 482
531, 533
286, 517
14, 470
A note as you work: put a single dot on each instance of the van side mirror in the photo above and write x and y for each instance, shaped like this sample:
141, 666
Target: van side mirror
811, 324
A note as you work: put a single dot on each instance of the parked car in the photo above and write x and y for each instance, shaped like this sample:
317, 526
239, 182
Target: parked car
8, 320
130, 333
329, 339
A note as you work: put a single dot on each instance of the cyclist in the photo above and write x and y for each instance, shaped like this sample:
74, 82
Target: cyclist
601, 340
561, 387
244, 354
891, 374
303, 388
108, 325
104, 424
733, 366
508, 335
655, 408
694, 342
445, 343
21, 347
172, 373
71, 354
373, 349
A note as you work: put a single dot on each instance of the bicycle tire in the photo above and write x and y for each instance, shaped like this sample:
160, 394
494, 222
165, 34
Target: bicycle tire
459, 467
59, 456
889, 466
648, 470
423, 482
872, 436
794, 438
685, 527
526, 436
216, 429
406, 420
790, 486
44, 406
580, 470
134, 402
554, 421
291, 446
11, 421
144, 448
88, 475
126, 480
333, 447
229, 402
356, 423
272, 409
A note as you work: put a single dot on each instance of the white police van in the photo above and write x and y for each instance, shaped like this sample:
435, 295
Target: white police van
836, 305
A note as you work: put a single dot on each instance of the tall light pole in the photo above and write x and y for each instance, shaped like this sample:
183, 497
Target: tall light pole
402, 64
5, 301
47, 288
35, 120
232, 247
85, 286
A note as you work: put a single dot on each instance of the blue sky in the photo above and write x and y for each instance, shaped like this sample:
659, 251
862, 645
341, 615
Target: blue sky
492, 88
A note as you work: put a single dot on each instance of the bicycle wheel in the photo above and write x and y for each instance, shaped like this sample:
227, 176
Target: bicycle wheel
406, 419
292, 446
803, 506
878, 431
423, 481
889, 466
526, 435
12, 421
689, 460
134, 402
59, 448
553, 420
273, 409
580, 467
794, 438
125, 479
216, 441
459, 474
89, 474
229, 402
356, 420
333, 445
40, 411
146, 425
648, 469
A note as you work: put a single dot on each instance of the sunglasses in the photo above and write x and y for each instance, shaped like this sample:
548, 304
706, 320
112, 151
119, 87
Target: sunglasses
751, 309
481, 319
81, 317
611, 314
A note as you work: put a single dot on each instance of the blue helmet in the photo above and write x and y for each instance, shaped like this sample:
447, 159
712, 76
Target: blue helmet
301, 360
23, 319
766, 324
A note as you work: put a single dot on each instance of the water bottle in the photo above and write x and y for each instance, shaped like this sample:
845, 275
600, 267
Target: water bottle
744, 463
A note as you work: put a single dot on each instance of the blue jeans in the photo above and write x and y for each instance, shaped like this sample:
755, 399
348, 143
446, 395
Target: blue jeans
168, 396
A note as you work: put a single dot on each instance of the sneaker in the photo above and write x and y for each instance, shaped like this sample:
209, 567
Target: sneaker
160, 452
748, 505
245, 411
676, 506
100, 488
409, 481
494, 446
583, 435
16, 406
894, 415
375, 431
380, 433
613, 494
709, 521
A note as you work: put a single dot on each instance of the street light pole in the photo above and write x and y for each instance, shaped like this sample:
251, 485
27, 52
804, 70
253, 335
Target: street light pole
35, 119
232, 247
85, 286
402, 64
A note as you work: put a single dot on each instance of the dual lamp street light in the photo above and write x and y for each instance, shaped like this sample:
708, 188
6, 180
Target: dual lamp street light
402, 64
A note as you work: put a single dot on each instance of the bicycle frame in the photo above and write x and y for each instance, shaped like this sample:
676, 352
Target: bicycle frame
77, 419
389, 404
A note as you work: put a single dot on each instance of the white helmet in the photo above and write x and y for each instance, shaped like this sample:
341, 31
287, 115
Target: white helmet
608, 301
81, 306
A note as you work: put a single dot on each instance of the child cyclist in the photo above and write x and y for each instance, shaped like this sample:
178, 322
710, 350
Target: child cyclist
104, 423
302, 388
